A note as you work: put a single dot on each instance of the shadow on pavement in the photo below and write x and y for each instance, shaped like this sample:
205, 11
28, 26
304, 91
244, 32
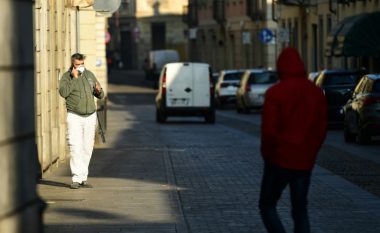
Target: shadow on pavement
87, 214
53, 183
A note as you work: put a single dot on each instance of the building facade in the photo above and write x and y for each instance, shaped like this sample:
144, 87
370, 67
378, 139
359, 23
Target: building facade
62, 28
40, 37
20, 207
232, 34
319, 28
144, 25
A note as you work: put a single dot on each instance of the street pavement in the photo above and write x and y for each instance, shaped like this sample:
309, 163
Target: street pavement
186, 177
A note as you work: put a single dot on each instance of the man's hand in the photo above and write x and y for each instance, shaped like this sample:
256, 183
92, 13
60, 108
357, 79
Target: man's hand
74, 73
98, 88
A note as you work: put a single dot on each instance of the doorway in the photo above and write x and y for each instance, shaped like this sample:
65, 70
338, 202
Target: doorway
158, 36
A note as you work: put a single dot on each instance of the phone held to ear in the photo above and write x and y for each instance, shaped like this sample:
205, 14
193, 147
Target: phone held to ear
80, 69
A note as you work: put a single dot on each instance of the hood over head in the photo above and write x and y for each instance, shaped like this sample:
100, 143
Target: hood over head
290, 64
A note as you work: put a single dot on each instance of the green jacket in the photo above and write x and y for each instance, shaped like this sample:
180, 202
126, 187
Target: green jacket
78, 92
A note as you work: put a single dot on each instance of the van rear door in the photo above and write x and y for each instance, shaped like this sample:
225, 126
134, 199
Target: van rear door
179, 85
201, 85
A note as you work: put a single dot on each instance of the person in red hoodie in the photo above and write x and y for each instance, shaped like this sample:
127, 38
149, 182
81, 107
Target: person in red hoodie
294, 126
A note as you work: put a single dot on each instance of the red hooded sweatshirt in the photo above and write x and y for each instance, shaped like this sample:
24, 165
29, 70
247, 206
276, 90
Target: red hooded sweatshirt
294, 116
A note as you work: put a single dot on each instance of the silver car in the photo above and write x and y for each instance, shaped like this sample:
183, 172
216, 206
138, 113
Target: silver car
226, 86
253, 85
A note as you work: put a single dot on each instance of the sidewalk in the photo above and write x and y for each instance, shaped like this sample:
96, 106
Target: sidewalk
132, 192
187, 178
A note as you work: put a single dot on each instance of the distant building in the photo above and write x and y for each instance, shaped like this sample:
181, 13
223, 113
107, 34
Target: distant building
231, 34
143, 25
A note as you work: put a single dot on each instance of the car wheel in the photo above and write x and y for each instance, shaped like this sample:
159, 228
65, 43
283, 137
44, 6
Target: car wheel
238, 108
363, 138
245, 109
160, 116
348, 135
219, 103
210, 117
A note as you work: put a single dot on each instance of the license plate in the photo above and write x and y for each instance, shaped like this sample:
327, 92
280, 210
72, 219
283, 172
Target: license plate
179, 102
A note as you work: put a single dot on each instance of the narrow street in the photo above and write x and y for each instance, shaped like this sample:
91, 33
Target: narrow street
186, 176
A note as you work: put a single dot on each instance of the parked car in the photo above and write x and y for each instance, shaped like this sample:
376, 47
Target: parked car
362, 111
215, 76
253, 85
312, 76
337, 86
155, 61
185, 89
226, 87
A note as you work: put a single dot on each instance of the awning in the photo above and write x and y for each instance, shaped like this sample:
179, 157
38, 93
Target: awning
356, 36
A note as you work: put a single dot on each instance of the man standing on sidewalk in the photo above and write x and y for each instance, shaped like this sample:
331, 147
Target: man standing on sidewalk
294, 126
79, 86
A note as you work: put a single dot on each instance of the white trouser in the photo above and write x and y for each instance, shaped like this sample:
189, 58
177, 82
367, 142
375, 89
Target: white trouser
81, 136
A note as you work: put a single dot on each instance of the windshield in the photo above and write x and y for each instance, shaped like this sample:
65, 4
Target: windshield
340, 79
263, 78
233, 76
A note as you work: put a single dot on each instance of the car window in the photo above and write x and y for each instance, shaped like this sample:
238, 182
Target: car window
233, 76
263, 78
340, 79
376, 86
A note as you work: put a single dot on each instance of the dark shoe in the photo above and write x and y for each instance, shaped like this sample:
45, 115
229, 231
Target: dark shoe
84, 184
74, 185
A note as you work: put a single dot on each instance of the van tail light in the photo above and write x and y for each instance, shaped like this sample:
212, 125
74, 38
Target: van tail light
371, 100
211, 85
163, 87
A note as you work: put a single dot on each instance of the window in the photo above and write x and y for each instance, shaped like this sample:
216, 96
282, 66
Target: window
321, 36
263, 78
295, 31
233, 76
339, 79
328, 27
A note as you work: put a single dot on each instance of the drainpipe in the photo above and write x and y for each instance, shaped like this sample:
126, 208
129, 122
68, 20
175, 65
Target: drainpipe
20, 207
77, 28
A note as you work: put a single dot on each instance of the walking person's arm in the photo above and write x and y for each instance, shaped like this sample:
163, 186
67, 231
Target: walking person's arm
99, 93
98, 90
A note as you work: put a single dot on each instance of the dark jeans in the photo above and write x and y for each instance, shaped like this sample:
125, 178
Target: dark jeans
274, 181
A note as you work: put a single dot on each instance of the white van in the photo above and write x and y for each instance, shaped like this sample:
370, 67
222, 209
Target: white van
155, 60
185, 89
